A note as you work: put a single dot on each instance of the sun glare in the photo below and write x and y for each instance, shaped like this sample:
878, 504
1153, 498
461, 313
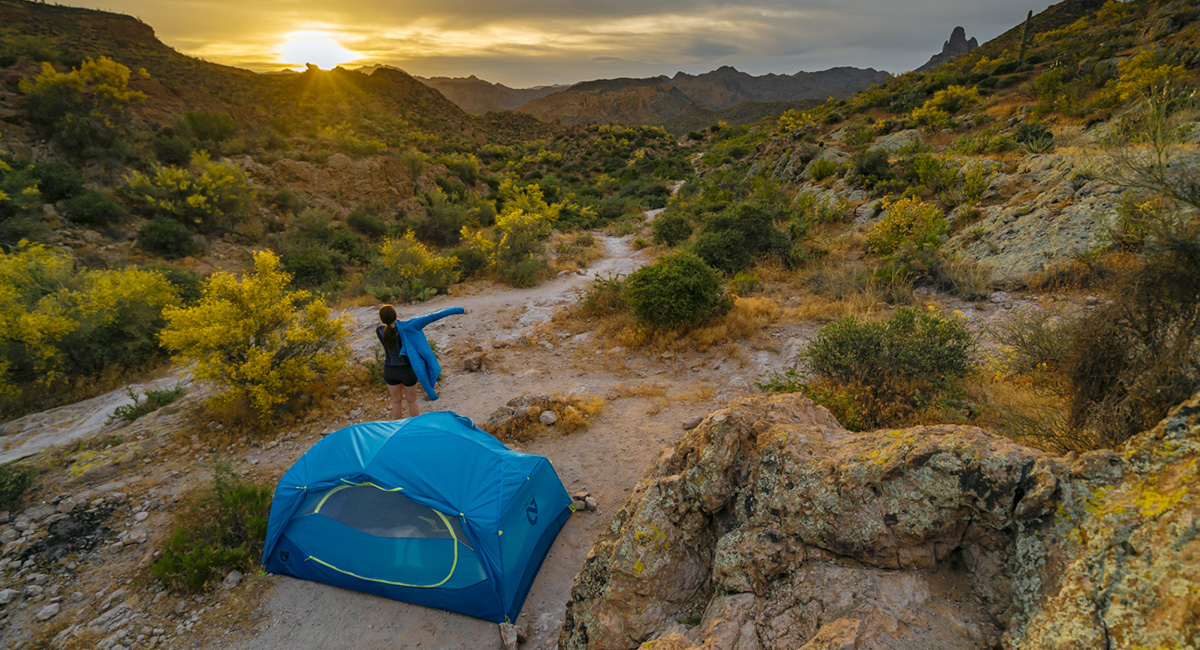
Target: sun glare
317, 48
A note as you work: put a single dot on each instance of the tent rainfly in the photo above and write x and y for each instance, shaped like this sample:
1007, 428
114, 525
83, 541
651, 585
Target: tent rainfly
429, 510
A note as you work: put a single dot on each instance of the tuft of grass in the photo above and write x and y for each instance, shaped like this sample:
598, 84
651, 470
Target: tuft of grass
222, 530
146, 403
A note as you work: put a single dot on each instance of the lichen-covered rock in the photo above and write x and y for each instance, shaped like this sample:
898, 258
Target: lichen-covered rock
780, 529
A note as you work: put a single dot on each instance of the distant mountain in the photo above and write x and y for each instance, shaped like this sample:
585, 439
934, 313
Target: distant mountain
957, 46
663, 100
726, 86
474, 95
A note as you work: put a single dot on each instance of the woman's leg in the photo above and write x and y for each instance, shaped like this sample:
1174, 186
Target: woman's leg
397, 393
410, 395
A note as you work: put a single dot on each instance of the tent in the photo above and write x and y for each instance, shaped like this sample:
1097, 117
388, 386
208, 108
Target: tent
429, 510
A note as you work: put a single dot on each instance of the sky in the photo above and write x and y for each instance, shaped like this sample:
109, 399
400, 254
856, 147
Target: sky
523, 43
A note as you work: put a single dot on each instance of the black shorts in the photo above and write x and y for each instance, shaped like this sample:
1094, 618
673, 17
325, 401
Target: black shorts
396, 375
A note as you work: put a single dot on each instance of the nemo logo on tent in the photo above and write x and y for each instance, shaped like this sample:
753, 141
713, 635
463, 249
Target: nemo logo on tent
283, 556
531, 512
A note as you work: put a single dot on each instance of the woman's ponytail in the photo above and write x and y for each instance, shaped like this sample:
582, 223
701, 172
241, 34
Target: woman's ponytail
387, 315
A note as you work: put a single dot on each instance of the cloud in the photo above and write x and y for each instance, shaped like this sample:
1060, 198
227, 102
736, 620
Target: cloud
530, 42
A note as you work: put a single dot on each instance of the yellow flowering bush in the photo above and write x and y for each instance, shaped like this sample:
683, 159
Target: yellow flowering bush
514, 248
908, 223
85, 107
1144, 73
408, 270
54, 318
207, 196
258, 342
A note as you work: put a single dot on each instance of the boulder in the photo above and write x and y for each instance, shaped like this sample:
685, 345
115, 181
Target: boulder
787, 531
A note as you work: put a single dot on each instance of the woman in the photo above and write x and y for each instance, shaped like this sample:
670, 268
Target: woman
408, 357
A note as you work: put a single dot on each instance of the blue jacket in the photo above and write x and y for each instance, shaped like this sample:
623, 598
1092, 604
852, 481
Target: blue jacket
424, 362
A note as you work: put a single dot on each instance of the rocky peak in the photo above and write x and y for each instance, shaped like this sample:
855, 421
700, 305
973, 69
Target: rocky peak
957, 46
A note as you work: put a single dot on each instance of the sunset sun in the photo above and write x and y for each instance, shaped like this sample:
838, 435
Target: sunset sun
315, 47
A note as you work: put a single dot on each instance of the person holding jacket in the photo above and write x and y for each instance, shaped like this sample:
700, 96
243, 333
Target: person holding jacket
408, 359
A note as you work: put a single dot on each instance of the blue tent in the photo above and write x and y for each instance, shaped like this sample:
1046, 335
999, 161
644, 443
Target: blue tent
428, 510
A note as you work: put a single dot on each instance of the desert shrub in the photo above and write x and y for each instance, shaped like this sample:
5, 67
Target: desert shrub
94, 208
603, 295
255, 340
744, 284
976, 179
464, 166
57, 181
82, 110
167, 238
1033, 340
367, 223
821, 168
310, 265
679, 290
953, 99
876, 373
443, 220
15, 480
408, 270
146, 403
515, 248
1136, 218
671, 228
934, 173
871, 167
723, 250
1035, 136
287, 201
931, 118
187, 283
20, 204
1139, 355
909, 235
207, 196
730, 239
209, 127
173, 148
1147, 72
220, 532
55, 318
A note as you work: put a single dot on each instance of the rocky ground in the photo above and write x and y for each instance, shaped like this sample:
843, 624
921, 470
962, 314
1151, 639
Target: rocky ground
73, 565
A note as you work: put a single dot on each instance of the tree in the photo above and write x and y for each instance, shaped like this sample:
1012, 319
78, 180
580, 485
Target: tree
257, 341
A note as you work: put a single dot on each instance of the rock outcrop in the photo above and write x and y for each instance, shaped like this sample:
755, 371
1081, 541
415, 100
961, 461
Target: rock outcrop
770, 527
957, 46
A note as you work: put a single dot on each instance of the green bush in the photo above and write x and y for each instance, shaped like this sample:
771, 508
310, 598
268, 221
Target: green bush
57, 181
14, 481
603, 296
723, 250
671, 228
879, 373
167, 238
821, 168
911, 346
871, 167
94, 208
187, 283
679, 290
207, 195
367, 223
173, 149
224, 531
310, 265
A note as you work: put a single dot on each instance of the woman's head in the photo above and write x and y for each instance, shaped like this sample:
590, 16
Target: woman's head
387, 314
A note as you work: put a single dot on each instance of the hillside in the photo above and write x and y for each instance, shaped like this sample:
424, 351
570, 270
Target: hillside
685, 101
477, 96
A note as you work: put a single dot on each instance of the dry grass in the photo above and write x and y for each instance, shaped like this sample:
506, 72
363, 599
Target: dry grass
574, 251
700, 394
520, 419
644, 389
